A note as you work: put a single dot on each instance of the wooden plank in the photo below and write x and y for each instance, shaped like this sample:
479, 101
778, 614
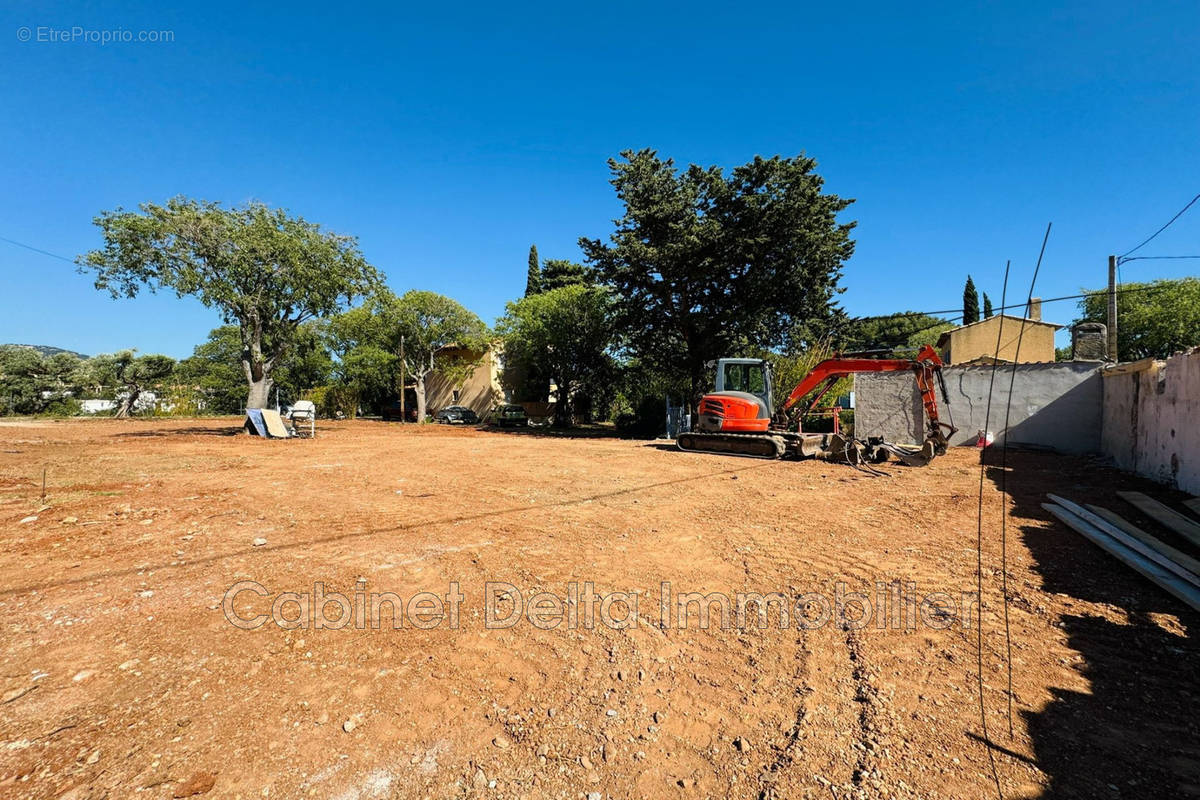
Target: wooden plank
1194, 505
1136, 544
1128, 367
1148, 569
1178, 556
1163, 515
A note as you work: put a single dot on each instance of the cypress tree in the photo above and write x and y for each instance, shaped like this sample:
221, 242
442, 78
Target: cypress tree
970, 303
533, 278
987, 306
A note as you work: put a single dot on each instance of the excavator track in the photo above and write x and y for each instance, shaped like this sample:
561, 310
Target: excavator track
750, 445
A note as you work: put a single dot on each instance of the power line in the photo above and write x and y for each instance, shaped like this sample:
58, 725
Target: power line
1153, 258
1160, 230
958, 311
37, 250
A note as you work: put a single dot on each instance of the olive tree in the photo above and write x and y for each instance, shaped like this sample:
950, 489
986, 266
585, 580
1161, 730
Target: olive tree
261, 268
126, 375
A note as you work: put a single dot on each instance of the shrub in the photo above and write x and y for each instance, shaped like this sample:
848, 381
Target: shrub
332, 399
647, 421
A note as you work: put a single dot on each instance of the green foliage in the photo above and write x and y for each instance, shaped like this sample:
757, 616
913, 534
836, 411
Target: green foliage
897, 331
1153, 319
1062, 353
647, 420
125, 375
787, 370
214, 372
32, 383
559, 272
970, 303
533, 276
215, 380
987, 306
261, 268
567, 333
333, 400
436, 332
703, 264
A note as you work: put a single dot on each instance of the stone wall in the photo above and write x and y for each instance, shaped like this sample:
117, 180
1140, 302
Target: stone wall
1151, 420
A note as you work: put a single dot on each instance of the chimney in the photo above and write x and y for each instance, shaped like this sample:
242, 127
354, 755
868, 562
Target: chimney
1035, 309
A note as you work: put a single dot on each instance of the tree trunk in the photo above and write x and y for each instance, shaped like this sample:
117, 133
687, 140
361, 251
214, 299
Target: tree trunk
562, 406
419, 390
127, 405
260, 392
256, 366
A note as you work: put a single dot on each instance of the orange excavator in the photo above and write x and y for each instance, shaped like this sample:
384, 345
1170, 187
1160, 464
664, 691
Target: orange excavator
736, 418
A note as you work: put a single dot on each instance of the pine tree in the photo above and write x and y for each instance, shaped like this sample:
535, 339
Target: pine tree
970, 303
533, 278
987, 306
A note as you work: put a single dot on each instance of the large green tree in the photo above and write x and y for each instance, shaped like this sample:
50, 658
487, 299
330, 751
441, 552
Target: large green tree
259, 267
568, 333
431, 330
1153, 319
704, 264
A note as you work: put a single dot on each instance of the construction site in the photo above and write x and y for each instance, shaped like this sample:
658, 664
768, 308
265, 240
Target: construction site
556, 402
169, 633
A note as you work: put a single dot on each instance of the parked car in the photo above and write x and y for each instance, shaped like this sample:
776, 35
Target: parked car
392, 411
456, 415
509, 414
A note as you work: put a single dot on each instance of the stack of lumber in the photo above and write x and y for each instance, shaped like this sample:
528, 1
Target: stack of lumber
1172, 569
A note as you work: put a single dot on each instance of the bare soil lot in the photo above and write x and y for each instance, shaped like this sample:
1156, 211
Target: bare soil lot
121, 673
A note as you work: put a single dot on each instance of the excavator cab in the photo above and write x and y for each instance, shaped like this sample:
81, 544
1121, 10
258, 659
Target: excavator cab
742, 401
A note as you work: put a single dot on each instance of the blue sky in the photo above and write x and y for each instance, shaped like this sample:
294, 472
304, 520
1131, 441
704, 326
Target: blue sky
449, 139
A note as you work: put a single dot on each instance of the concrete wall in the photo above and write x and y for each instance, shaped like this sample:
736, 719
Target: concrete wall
888, 404
1150, 421
979, 340
1056, 405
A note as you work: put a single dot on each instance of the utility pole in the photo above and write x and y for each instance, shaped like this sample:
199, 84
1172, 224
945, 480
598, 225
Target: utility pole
1112, 308
403, 416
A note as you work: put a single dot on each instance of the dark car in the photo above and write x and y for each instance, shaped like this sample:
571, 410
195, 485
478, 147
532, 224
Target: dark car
510, 414
456, 415
392, 411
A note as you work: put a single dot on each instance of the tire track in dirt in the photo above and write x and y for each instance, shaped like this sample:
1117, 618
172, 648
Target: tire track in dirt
787, 754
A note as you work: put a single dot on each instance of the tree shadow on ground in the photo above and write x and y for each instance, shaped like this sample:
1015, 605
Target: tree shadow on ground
232, 430
1136, 731
549, 432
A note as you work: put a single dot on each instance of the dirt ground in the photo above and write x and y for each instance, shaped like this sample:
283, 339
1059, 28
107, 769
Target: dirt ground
123, 672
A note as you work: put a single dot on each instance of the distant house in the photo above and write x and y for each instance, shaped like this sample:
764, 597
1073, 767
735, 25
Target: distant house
479, 392
976, 343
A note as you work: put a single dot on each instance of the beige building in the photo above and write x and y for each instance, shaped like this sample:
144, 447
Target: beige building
977, 342
480, 391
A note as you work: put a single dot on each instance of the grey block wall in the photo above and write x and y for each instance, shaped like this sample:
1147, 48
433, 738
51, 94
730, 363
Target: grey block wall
1058, 405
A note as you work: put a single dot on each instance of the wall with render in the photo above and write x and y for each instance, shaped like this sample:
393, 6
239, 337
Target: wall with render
1151, 420
1054, 405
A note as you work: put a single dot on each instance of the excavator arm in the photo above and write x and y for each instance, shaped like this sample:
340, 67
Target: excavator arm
927, 367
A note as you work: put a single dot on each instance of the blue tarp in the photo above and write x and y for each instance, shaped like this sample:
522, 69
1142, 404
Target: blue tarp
255, 418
